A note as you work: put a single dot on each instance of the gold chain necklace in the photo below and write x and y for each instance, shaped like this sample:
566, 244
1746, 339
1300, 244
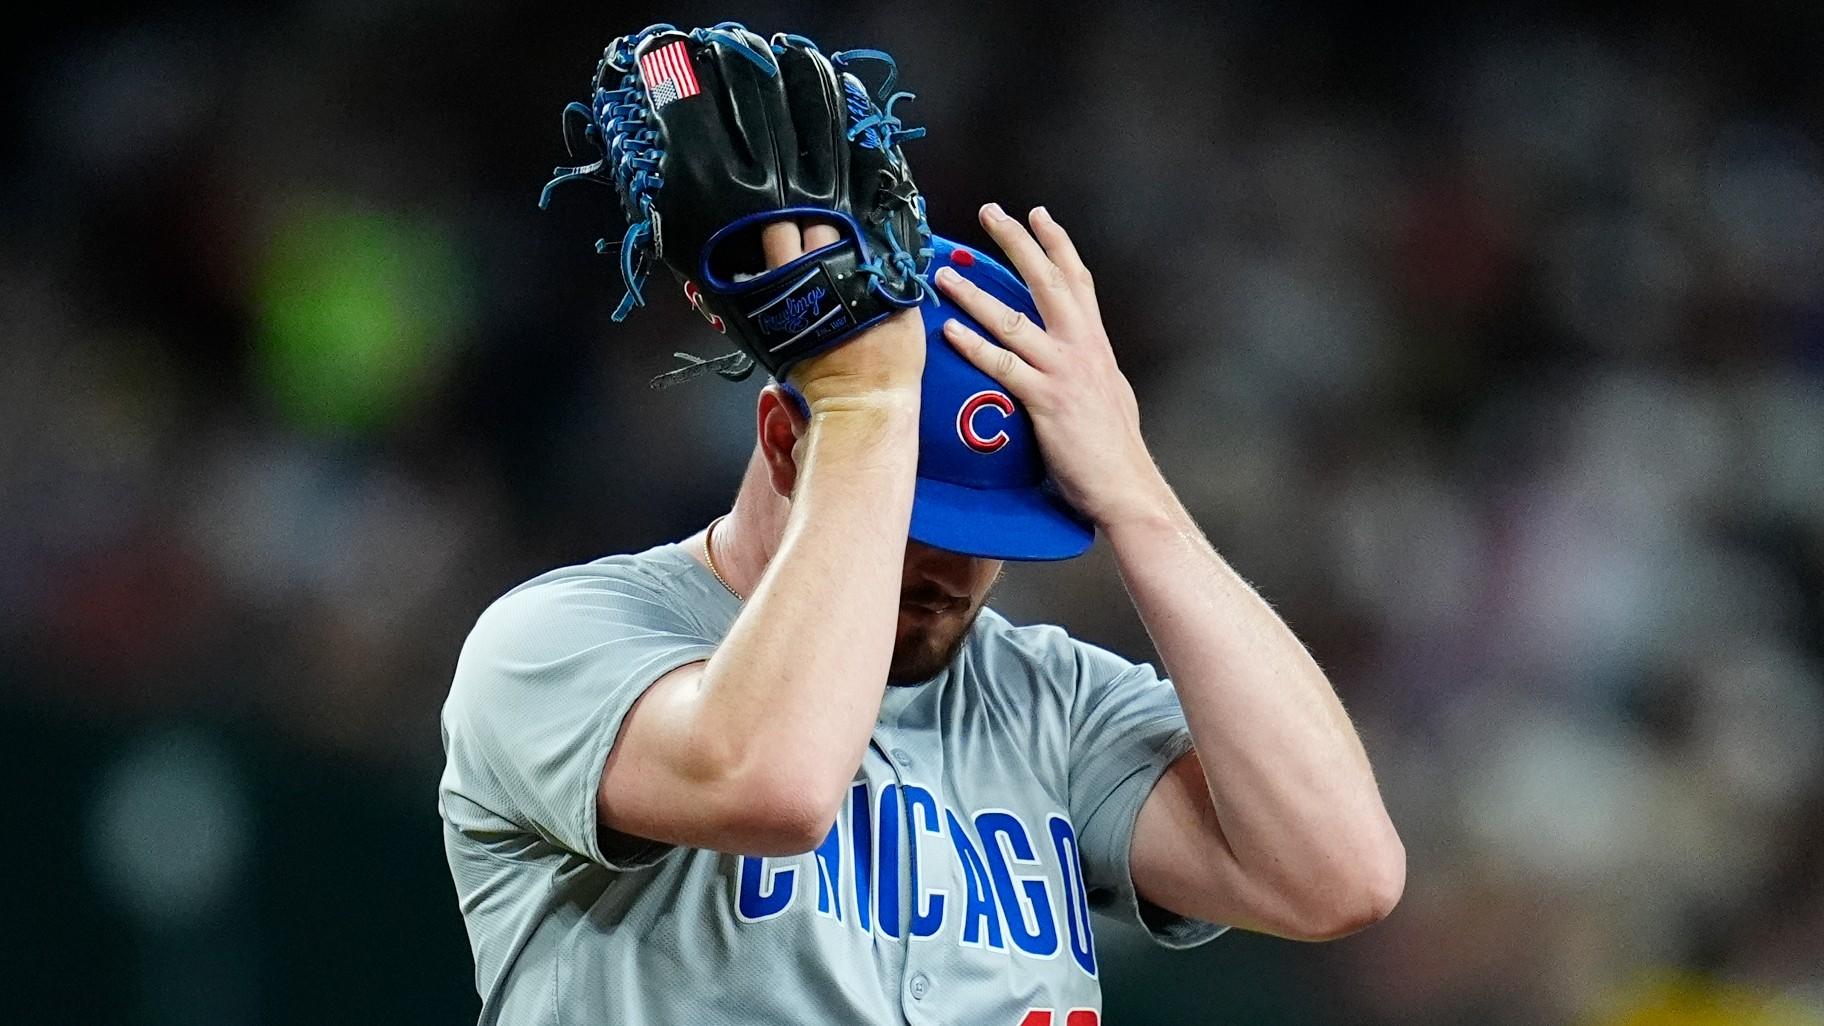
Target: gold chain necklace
710, 557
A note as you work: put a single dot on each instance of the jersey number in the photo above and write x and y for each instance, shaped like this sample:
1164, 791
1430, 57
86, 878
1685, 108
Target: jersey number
1075, 1017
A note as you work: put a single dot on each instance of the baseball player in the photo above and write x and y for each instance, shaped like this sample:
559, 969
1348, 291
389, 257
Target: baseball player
792, 769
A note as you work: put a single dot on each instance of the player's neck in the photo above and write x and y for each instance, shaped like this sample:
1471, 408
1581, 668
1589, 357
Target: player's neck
747, 538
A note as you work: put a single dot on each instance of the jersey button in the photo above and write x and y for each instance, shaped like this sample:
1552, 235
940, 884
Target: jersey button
901, 756
921, 985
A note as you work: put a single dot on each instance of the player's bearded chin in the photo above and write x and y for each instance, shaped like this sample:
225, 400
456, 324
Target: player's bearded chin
932, 625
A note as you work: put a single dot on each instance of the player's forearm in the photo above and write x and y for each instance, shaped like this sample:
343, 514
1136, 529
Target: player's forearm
1289, 780
795, 688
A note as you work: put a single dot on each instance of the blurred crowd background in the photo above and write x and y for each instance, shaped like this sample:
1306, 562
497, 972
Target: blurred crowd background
1490, 346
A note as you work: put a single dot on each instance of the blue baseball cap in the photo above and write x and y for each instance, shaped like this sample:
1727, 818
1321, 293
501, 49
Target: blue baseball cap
982, 489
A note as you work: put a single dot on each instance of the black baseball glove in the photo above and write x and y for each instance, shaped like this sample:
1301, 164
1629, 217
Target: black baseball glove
708, 135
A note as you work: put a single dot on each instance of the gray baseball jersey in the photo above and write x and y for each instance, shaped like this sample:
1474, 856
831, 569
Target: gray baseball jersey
991, 814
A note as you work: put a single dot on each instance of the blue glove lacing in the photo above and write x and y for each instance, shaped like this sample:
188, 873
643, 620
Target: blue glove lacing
878, 128
616, 124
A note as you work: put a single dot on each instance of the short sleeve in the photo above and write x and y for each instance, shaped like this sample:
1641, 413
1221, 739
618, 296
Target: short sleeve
541, 688
1126, 729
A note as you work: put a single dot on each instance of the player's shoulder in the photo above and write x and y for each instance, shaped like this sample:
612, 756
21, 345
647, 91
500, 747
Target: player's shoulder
652, 584
1045, 650
1043, 653
657, 570
1036, 642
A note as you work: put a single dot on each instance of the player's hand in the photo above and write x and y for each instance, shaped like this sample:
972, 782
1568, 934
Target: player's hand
1081, 405
884, 363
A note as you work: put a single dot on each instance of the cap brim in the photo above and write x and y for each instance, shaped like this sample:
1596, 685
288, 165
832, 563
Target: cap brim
997, 523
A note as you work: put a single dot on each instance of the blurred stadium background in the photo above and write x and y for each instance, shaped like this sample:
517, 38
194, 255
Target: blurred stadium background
1489, 345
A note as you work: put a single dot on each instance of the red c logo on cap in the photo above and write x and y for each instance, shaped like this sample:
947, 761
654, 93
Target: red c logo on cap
965, 420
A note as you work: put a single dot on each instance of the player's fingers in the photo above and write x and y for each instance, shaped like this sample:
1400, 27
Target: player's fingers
1063, 253
1049, 288
998, 362
781, 243
1010, 327
817, 236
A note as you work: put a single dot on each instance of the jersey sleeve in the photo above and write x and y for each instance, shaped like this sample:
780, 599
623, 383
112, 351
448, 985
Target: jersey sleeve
541, 688
1126, 728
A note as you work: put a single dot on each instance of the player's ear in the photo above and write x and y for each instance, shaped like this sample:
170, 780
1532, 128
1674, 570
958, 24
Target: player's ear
781, 425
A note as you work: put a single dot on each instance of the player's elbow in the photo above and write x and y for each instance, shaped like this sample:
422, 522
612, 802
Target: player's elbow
752, 799
1361, 908
779, 814
1351, 898
713, 796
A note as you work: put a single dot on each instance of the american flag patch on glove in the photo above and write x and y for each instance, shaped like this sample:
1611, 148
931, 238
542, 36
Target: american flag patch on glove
668, 74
